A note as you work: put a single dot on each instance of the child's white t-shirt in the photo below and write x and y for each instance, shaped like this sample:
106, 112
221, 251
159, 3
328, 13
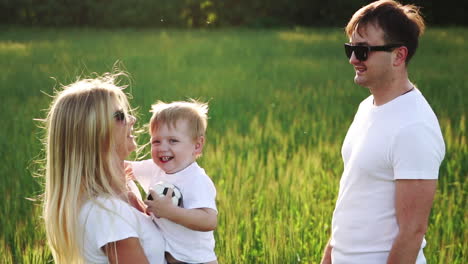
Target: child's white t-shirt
109, 219
198, 191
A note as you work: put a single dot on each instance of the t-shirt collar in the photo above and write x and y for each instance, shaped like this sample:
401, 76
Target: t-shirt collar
189, 170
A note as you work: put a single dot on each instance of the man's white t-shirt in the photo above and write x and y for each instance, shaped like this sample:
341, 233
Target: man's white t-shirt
107, 220
398, 140
198, 191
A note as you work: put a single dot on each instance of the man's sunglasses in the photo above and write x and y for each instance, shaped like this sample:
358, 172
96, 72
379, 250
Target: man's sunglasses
362, 52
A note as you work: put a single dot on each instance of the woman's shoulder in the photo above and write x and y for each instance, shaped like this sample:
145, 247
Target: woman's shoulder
107, 214
104, 201
105, 208
106, 219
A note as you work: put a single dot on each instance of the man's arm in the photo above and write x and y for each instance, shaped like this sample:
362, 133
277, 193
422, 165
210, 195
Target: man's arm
199, 219
413, 203
326, 258
126, 251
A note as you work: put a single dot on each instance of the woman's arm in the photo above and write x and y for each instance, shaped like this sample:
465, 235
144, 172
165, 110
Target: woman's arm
199, 219
126, 251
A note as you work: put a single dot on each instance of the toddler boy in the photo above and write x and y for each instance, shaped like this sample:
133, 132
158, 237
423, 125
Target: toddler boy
177, 138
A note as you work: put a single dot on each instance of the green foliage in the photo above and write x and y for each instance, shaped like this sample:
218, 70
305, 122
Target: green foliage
280, 104
206, 13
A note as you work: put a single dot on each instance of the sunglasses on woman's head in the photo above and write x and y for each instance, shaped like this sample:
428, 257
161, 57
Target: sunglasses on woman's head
362, 52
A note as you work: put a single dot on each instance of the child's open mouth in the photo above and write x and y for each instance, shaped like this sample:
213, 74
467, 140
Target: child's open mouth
165, 159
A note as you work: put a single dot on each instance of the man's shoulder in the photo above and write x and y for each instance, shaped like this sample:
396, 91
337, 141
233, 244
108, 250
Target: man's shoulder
368, 101
416, 109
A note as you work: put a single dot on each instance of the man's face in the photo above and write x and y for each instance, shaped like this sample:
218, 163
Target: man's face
376, 70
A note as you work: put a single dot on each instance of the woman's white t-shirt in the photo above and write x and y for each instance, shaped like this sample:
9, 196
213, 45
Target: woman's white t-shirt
108, 219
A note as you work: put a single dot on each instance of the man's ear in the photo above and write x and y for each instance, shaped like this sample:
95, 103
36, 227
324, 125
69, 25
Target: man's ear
400, 56
199, 143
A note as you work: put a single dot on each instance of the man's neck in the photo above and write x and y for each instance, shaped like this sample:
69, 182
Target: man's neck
389, 91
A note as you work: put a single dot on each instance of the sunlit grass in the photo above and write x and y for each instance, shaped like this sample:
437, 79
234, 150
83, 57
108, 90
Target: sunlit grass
280, 104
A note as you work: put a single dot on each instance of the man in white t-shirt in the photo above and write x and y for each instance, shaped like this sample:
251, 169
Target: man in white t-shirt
393, 148
177, 137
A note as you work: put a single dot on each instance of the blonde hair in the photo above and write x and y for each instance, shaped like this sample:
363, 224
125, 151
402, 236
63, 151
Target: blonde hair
81, 159
194, 112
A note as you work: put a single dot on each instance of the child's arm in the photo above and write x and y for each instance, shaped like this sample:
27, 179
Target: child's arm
199, 219
129, 171
142, 171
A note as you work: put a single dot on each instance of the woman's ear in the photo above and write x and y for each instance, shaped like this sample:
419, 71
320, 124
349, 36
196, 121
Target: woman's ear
199, 143
400, 56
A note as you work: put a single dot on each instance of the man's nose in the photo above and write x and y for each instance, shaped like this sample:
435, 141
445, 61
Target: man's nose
353, 60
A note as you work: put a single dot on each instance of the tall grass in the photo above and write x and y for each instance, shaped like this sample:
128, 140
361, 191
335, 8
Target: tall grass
280, 104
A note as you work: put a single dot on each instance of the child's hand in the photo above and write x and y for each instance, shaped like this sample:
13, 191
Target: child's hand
129, 171
161, 206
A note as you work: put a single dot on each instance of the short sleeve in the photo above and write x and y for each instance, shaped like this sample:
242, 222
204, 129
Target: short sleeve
109, 220
202, 194
417, 152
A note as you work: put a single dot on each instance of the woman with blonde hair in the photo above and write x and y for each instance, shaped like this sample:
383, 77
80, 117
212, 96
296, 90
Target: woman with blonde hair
88, 210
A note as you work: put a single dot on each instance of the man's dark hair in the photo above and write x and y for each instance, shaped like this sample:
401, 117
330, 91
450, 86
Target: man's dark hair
400, 23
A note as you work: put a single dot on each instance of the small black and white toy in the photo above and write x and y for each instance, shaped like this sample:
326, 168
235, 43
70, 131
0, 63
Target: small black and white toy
161, 188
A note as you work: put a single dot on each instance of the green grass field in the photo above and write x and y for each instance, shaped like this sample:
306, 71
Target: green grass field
280, 104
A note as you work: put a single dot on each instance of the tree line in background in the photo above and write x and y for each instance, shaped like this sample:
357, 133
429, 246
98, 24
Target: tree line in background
207, 13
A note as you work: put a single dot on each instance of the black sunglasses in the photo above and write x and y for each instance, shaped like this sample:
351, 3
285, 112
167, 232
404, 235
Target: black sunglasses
362, 52
119, 115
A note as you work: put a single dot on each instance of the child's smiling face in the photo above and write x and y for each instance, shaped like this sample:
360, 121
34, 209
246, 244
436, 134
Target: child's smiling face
173, 148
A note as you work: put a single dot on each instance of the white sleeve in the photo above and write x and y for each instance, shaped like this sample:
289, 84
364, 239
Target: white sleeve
417, 152
109, 221
202, 194
144, 171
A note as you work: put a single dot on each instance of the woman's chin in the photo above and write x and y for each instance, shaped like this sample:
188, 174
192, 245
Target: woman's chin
132, 148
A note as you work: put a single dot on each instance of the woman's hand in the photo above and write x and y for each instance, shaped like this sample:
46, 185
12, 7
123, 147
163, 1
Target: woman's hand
134, 201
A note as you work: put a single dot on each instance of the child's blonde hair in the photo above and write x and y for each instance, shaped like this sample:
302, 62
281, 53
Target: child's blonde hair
81, 159
194, 112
